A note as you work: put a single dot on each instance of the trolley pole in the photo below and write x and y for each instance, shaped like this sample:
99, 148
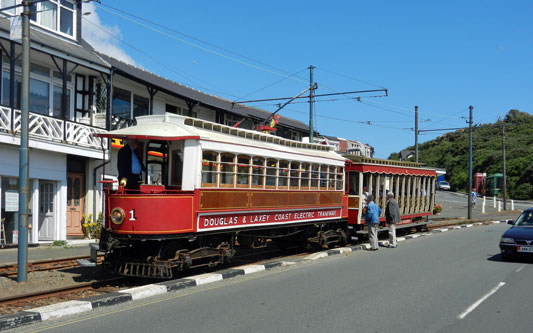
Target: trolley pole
24, 164
469, 195
416, 133
311, 93
504, 171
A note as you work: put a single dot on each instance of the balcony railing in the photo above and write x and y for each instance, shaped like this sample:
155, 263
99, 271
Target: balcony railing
51, 129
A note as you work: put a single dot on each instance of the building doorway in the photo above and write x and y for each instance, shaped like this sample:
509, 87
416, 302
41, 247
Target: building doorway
75, 204
47, 211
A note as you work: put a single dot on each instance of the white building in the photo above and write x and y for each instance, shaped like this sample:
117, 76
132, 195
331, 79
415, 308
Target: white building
74, 93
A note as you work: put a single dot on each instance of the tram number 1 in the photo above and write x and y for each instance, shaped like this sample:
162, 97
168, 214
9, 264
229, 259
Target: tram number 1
132, 215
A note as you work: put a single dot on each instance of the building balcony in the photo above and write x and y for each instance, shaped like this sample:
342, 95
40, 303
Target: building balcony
56, 134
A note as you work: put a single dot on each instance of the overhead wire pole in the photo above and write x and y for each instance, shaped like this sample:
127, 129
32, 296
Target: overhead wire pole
311, 91
504, 171
469, 195
416, 133
22, 269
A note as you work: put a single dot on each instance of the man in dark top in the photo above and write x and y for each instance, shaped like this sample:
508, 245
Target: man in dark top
129, 165
392, 216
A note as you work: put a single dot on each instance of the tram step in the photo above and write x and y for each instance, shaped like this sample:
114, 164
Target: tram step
86, 263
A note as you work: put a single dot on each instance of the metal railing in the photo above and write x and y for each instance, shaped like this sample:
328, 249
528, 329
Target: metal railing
51, 129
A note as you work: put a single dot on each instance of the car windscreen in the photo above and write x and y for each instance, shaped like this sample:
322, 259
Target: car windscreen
525, 219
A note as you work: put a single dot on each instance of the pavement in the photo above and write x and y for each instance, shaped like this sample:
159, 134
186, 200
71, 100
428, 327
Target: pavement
47, 251
81, 248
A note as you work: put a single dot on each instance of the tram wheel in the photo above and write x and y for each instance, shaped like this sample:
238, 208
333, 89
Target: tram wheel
168, 250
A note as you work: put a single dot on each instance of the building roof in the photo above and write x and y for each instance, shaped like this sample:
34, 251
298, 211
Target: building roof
185, 92
405, 154
48, 41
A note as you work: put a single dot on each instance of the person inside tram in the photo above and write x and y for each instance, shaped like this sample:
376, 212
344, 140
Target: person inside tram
130, 165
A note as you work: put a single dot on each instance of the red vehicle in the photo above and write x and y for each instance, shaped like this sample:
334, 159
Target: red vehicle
412, 184
210, 189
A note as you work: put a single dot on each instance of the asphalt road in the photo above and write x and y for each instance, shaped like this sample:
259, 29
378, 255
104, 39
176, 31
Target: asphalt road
452, 281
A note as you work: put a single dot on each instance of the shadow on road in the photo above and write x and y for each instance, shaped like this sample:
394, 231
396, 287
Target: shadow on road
498, 258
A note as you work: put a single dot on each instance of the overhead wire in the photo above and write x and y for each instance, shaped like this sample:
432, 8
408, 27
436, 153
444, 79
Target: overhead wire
198, 85
351, 78
190, 43
267, 86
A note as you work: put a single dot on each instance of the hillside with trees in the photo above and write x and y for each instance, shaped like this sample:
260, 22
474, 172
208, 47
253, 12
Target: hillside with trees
450, 152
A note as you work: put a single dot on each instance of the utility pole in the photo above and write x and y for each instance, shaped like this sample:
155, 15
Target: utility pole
311, 93
469, 195
24, 164
504, 171
416, 133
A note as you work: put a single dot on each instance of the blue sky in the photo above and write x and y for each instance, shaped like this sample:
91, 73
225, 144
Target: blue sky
441, 56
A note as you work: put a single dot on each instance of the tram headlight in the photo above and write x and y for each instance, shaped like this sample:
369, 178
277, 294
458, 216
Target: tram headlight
117, 215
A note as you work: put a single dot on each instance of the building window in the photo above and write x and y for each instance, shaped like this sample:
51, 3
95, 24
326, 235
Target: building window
172, 109
121, 103
58, 93
56, 15
43, 92
295, 136
5, 89
39, 97
8, 3
231, 120
140, 106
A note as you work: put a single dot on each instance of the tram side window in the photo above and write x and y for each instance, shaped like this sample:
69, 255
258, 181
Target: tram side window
323, 177
209, 169
366, 182
314, 176
283, 174
353, 183
304, 176
243, 171
177, 167
338, 183
332, 176
294, 175
227, 170
271, 174
258, 172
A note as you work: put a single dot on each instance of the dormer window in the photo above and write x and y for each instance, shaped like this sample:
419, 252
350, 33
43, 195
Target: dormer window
56, 15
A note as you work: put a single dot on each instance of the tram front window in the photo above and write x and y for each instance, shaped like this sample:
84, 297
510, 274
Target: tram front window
157, 162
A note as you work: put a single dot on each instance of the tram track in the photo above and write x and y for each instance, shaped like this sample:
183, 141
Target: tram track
77, 291
10, 270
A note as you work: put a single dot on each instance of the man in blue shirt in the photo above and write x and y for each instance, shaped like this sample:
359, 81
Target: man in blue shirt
372, 221
129, 164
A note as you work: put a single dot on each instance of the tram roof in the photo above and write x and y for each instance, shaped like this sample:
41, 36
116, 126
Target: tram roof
171, 127
376, 165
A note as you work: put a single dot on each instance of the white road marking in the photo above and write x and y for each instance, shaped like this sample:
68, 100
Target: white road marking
479, 301
520, 268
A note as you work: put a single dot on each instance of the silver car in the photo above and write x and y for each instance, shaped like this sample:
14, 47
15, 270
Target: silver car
443, 186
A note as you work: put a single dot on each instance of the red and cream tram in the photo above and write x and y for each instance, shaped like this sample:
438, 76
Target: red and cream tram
412, 184
211, 188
